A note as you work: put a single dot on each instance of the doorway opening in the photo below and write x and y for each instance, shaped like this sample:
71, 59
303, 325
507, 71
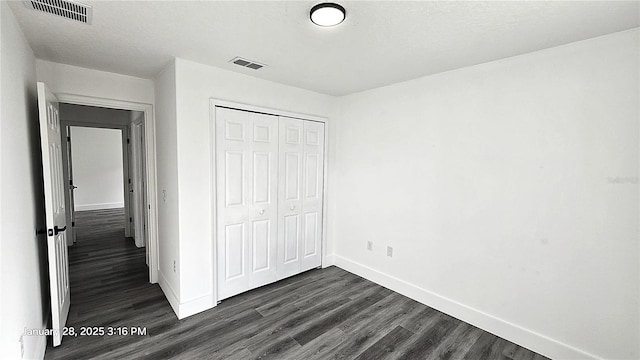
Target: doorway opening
104, 166
137, 124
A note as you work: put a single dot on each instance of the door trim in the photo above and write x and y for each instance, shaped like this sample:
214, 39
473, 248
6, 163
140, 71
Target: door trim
213, 103
67, 165
150, 163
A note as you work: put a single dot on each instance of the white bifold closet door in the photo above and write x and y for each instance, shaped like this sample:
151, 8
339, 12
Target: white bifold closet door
269, 186
300, 189
247, 195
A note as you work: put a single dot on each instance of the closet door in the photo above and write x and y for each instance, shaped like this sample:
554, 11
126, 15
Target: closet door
300, 196
290, 197
246, 189
312, 195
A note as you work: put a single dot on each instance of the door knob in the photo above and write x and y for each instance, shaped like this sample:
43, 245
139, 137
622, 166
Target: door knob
261, 211
293, 207
73, 187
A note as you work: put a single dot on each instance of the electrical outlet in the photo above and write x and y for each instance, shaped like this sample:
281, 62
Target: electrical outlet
370, 245
164, 196
389, 251
174, 266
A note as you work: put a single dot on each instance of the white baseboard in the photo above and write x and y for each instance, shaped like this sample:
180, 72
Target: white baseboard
169, 293
36, 346
517, 334
41, 347
87, 207
186, 309
329, 260
195, 306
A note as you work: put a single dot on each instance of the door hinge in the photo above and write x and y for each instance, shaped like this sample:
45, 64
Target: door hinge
69, 138
71, 182
73, 224
127, 141
129, 181
130, 219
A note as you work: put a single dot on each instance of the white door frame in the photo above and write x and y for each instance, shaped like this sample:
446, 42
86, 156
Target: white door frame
213, 102
136, 130
67, 165
150, 162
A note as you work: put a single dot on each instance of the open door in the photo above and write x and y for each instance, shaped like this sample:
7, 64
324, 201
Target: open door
54, 188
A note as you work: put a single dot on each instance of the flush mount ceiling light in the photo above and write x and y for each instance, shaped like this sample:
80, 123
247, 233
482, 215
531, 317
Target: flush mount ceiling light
327, 14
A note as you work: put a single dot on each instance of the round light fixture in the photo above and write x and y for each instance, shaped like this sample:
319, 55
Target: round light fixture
327, 14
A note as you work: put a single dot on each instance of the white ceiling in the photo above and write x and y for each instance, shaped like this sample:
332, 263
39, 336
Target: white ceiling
379, 43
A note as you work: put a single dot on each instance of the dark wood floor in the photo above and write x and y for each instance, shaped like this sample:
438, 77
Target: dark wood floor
321, 314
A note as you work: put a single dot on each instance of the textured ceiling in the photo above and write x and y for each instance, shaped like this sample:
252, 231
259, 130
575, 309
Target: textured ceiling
381, 42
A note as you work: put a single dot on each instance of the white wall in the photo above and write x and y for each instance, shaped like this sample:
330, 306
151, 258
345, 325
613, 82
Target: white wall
196, 84
97, 168
68, 79
23, 265
167, 171
509, 192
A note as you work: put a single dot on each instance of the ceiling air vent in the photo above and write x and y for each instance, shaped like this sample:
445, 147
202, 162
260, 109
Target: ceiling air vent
246, 63
65, 8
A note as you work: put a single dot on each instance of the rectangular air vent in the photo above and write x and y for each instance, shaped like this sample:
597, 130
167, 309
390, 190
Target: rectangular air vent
65, 8
246, 63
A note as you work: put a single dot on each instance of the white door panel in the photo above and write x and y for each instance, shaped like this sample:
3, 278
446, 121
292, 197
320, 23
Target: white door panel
263, 213
232, 209
312, 200
301, 184
291, 238
234, 245
262, 183
246, 155
292, 176
261, 240
55, 212
289, 197
310, 234
234, 178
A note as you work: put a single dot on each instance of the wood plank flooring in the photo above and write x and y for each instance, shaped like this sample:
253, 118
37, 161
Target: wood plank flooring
320, 314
